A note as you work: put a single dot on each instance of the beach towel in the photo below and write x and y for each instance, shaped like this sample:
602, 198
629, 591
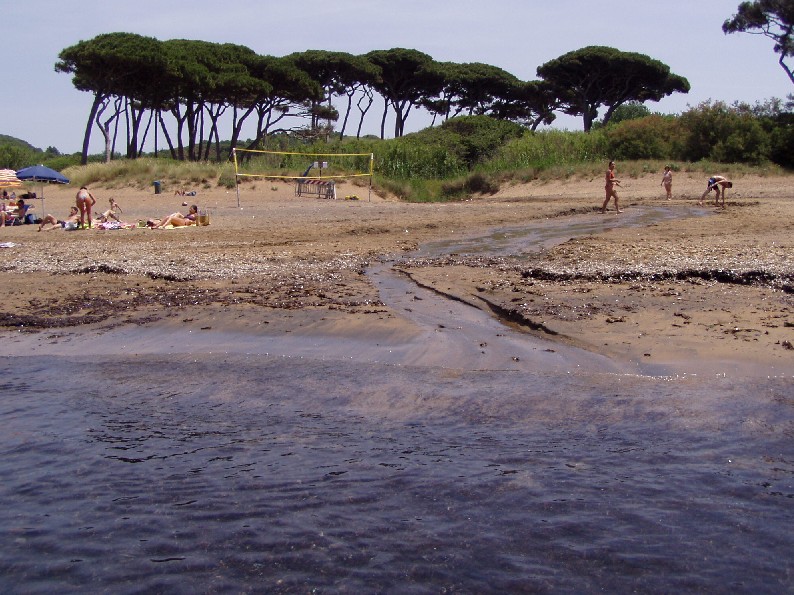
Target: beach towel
115, 225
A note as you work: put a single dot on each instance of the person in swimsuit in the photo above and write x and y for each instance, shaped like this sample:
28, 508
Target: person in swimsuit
667, 181
176, 219
611, 182
718, 184
69, 224
85, 201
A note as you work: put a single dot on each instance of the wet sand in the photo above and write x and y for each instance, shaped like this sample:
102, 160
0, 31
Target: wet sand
705, 285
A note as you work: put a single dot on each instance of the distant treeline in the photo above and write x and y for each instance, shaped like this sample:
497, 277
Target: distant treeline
179, 92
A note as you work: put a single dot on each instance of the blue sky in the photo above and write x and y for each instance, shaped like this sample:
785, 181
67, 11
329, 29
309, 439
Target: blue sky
42, 107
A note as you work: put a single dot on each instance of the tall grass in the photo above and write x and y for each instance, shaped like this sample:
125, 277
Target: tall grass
549, 149
406, 161
141, 173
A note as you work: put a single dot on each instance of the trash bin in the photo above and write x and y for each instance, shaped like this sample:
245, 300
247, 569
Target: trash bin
157, 186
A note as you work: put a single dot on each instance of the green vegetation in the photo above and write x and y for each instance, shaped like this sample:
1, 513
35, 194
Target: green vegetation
182, 87
595, 76
16, 153
141, 173
475, 155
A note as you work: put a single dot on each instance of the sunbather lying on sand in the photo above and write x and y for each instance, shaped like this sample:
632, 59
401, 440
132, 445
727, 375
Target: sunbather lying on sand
69, 224
175, 219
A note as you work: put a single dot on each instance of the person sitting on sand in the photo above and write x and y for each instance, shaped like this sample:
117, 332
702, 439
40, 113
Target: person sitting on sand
111, 212
667, 181
718, 184
15, 214
69, 224
176, 219
611, 182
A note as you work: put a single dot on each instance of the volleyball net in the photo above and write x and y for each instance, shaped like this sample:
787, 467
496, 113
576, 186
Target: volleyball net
313, 173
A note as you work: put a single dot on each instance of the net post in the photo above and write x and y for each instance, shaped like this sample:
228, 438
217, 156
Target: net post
371, 169
236, 179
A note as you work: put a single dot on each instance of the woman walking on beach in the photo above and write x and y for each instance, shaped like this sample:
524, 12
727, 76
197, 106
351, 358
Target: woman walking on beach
610, 182
667, 181
85, 200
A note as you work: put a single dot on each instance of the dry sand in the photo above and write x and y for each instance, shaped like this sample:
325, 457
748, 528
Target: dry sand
713, 288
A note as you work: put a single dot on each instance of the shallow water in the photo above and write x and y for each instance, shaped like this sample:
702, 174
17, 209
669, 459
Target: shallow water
260, 473
526, 239
469, 458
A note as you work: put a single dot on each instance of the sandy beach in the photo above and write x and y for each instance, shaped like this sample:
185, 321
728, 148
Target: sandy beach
512, 393
704, 287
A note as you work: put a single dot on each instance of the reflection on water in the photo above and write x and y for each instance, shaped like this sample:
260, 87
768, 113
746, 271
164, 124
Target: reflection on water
249, 474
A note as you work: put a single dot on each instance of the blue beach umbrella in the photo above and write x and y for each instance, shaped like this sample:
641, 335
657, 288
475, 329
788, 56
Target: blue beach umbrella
40, 173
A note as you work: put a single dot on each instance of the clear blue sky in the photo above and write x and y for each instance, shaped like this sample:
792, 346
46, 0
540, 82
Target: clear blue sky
42, 107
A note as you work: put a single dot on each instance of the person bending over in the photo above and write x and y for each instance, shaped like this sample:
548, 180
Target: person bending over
718, 184
85, 202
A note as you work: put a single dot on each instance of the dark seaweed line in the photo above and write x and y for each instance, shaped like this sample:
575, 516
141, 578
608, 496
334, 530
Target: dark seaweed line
783, 282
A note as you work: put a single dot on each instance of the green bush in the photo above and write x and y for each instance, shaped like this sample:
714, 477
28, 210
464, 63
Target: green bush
552, 148
652, 137
407, 157
727, 134
782, 142
61, 162
446, 151
16, 157
477, 138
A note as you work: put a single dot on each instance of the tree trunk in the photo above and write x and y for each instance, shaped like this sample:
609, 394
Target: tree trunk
366, 95
237, 125
383, 119
785, 67
171, 148
347, 114
98, 99
146, 133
